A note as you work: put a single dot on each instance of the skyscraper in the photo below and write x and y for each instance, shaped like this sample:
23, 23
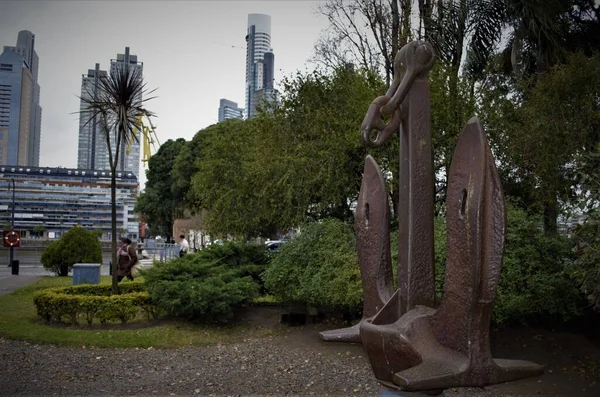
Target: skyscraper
93, 150
260, 62
92, 138
20, 110
229, 110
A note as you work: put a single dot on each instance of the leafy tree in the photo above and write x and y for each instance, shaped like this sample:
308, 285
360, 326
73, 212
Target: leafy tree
118, 105
184, 167
546, 135
157, 202
302, 160
76, 246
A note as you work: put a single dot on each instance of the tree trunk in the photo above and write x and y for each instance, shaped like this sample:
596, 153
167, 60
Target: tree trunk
550, 215
113, 245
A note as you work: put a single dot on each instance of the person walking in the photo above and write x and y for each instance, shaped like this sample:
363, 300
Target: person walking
184, 246
126, 259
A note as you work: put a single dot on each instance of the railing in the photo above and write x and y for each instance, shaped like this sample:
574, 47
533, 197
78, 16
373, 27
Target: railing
29, 256
155, 251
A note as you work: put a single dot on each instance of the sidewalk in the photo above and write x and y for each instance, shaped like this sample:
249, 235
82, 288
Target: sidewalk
11, 283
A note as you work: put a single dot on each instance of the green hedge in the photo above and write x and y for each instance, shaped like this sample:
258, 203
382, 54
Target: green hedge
206, 285
67, 305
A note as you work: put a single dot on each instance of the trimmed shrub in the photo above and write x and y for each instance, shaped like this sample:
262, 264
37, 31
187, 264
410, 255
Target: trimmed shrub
207, 283
76, 246
319, 268
70, 304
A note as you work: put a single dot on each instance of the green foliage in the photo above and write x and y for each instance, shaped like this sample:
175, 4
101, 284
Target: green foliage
19, 321
318, 267
76, 246
452, 105
439, 255
535, 283
208, 283
586, 268
545, 133
302, 160
157, 202
70, 304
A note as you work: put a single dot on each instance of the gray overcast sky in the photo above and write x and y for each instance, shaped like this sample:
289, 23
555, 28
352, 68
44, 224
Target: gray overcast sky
186, 48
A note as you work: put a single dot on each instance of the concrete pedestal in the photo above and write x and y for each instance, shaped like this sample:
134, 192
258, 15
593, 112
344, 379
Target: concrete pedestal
86, 273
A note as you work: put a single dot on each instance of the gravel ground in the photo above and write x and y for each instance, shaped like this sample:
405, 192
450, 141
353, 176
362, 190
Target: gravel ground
295, 362
259, 366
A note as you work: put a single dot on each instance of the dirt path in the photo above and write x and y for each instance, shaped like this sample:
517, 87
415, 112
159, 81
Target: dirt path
295, 362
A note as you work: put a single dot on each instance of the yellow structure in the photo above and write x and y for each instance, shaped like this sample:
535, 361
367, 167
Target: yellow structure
147, 135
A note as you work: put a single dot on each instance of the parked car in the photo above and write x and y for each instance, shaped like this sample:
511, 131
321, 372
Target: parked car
274, 246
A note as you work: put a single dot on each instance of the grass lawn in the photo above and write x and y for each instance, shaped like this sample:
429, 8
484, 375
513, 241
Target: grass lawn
19, 320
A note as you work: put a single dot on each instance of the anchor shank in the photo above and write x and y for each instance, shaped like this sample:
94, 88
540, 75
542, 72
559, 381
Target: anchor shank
416, 200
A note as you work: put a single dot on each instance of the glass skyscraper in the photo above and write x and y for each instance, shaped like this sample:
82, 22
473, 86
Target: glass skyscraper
93, 149
260, 63
20, 110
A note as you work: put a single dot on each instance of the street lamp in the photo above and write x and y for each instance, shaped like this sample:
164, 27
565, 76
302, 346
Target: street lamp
12, 221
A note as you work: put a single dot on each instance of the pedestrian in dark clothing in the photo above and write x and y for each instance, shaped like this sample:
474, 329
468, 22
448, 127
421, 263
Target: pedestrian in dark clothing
126, 259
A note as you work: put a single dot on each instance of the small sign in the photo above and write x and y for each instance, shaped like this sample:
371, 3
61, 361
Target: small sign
12, 239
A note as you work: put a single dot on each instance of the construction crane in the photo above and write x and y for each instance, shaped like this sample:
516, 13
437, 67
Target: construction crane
146, 134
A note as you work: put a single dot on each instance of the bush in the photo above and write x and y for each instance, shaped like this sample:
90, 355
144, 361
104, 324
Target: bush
70, 304
208, 283
76, 246
250, 259
535, 284
586, 268
319, 268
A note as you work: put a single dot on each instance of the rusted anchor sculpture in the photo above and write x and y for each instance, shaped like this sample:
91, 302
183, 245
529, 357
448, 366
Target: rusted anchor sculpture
410, 344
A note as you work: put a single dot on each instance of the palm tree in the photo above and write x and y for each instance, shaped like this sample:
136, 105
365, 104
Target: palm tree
118, 106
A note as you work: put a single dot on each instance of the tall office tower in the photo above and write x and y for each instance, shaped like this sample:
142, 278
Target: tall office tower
93, 150
20, 110
92, 138
229, 110
260, 61
266, 94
